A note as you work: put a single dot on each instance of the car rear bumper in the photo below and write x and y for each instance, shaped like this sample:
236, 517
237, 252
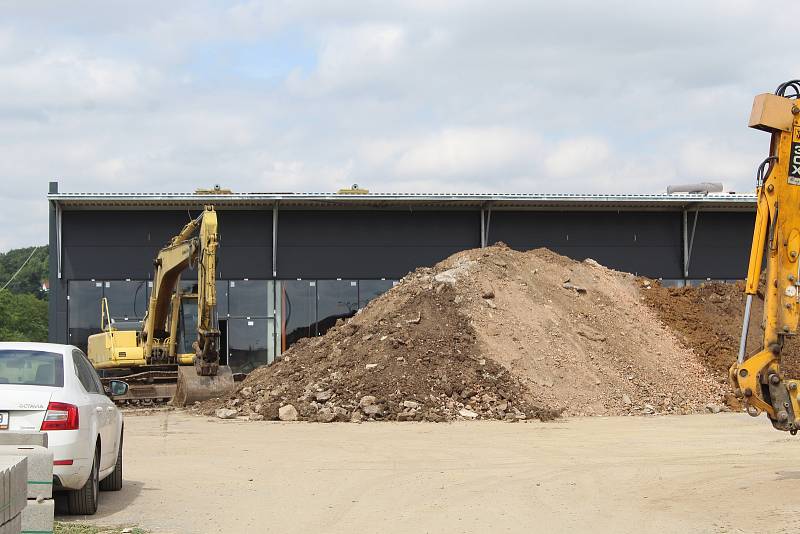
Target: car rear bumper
73, 476
70, 445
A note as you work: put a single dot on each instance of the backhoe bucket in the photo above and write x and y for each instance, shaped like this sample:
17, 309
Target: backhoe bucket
193, 387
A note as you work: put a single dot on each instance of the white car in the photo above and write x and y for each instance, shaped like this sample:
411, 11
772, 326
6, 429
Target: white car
55, 389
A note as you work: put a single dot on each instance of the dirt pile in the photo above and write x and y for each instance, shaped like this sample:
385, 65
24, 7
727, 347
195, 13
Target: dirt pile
409, 355
486, 333
708, 320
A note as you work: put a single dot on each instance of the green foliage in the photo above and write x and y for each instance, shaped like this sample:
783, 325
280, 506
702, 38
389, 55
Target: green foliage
23, 317
29, 280
23, 304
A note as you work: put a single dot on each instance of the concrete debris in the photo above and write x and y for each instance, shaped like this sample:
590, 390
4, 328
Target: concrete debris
415, 320
324, 396
372, 409
326, 415
287, 413
570, 285
469, 414
226, 413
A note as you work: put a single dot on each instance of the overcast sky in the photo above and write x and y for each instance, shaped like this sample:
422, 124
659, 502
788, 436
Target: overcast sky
408, 96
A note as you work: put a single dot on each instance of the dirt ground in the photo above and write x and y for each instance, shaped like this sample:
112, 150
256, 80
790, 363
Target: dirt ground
665, 474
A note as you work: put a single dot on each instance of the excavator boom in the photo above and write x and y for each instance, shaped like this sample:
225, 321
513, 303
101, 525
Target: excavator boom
758, 379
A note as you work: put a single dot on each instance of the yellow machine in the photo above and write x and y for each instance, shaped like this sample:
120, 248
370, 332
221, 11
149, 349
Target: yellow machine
149, 357
758, 379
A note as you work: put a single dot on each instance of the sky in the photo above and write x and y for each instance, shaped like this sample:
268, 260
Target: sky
396, 96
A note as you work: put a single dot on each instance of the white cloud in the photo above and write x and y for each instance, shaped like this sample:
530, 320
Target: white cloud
578, 156
467, 152
395, 95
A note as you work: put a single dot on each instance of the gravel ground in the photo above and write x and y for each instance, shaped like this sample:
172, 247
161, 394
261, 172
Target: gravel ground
660, 474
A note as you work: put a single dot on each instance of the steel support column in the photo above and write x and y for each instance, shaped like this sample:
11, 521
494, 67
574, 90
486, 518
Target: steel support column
275, 240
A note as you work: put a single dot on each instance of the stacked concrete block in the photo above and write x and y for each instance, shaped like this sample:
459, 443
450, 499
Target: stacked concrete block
37, 514
24, 437
13, 492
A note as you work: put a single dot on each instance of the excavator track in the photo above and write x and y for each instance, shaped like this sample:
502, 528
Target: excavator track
158, 384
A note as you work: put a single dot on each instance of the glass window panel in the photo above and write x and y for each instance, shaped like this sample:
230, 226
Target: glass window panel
187, 326
371, 289
126, 299
336, 299
299, 310
83, 311
250, 298
188, 286
248, 344
222, 298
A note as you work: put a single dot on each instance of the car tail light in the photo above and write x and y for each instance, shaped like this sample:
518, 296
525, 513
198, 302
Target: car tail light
62, 462
60, 416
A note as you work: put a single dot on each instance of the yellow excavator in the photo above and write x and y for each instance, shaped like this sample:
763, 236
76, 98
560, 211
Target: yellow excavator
148, 357
758, 379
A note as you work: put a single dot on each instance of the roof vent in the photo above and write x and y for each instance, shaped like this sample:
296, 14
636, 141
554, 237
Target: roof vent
218, 190
702, 188
354, 190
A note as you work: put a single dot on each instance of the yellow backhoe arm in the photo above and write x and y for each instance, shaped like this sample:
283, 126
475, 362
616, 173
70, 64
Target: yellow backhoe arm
758, 379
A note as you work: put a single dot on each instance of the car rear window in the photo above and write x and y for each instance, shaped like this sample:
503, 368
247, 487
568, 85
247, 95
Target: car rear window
31, 368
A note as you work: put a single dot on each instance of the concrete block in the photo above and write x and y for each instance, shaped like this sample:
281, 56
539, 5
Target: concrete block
23, 437
12, 526
13, 486
38, 516
40, 468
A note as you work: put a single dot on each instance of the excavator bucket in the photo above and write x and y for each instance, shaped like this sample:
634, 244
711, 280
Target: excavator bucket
193, 387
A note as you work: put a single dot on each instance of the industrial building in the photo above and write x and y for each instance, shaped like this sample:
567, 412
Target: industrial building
290, 264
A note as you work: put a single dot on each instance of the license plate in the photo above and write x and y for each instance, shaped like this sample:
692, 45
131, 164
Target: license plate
3, 420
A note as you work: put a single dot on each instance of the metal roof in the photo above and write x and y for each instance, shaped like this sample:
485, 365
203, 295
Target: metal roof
658, 201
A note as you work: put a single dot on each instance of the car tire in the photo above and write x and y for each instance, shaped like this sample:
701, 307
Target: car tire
84, 500
113, 482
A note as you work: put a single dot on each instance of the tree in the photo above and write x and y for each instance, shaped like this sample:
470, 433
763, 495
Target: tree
23, 317
29, 279
23, 304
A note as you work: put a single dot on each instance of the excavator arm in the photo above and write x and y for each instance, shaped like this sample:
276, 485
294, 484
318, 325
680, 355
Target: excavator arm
758, 379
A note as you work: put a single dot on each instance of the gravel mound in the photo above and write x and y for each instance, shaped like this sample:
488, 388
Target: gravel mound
486, 334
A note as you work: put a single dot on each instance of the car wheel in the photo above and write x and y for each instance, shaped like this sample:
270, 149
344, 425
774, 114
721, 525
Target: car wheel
84, 500
113, 482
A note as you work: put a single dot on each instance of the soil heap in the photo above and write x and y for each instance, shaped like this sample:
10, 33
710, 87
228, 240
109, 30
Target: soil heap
708, 320
486, 333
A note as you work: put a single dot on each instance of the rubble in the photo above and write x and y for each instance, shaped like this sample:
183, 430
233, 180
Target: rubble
287, 413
